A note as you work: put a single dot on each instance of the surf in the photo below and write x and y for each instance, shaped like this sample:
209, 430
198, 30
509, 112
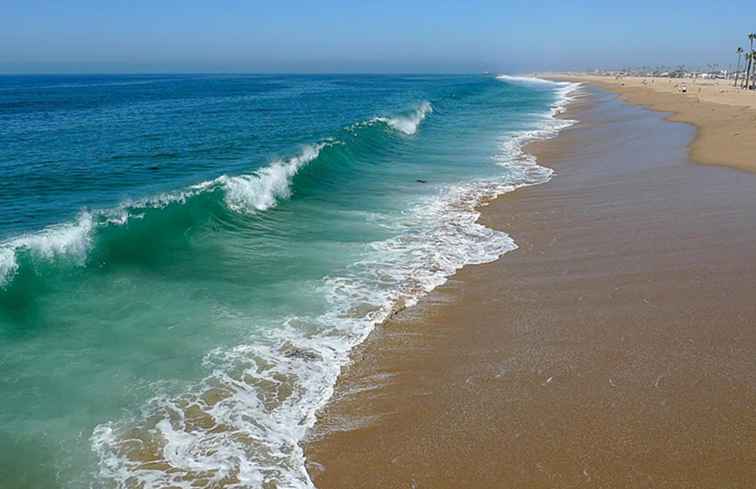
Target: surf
211, 320
409, 122
243, 425
258, 191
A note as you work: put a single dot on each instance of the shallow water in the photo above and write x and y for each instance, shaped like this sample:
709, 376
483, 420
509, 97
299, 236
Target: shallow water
186, 261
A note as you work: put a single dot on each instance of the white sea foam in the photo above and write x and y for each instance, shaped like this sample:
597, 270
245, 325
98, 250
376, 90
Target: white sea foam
407, 123
242, 426
262, 189
564, 89
70, 241
523, 79
566, 95
8, 265
511, 145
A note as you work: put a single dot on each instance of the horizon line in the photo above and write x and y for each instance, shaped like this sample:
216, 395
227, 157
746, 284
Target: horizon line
252, 73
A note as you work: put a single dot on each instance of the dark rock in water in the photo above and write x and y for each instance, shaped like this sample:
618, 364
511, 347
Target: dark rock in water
420, 180
294, 352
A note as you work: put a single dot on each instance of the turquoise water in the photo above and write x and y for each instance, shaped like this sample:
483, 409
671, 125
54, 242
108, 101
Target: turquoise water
186, 261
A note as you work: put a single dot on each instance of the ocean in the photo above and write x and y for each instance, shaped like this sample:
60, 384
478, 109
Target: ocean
186, 261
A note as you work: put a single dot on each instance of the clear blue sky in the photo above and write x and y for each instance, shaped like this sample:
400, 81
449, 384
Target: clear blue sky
352, 36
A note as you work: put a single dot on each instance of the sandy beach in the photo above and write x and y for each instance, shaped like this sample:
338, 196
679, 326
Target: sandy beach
614, 348
725, 116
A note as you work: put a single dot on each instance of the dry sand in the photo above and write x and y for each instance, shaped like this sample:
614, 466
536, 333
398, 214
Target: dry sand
698, 90
725, 116
616, 348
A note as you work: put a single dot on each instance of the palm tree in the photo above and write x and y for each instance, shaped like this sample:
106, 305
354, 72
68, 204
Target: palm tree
737, 70
751, 38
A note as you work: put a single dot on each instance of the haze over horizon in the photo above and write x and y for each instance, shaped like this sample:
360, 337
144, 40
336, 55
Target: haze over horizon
338, 37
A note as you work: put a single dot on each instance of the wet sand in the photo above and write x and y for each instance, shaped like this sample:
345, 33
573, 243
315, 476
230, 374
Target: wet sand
615, 348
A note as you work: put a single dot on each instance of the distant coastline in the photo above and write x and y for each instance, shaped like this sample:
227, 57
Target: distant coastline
725, 116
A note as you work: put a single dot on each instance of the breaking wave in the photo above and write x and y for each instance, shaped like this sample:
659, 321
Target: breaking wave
247, 193
408, 123
262, 189
71, 241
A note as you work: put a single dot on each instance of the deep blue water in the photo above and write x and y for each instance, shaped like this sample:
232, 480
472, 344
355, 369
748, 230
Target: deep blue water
187, 260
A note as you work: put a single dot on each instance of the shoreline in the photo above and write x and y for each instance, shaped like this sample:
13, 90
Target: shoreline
724, 117
375, 431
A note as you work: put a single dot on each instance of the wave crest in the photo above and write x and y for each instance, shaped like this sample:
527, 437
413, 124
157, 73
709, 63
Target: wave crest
410, 122
71, 240
8, 265
262, 189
